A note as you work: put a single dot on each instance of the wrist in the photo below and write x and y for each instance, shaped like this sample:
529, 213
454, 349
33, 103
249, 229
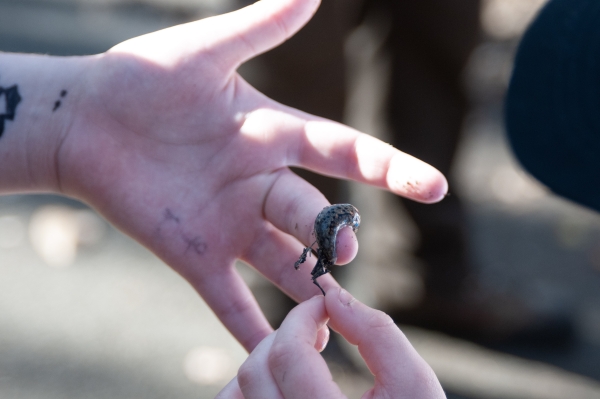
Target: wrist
40, 96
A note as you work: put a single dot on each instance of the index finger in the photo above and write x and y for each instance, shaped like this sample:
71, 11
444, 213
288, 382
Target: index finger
330, 148
336, 150
396, 365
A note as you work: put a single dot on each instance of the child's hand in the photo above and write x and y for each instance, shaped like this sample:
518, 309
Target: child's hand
287, 363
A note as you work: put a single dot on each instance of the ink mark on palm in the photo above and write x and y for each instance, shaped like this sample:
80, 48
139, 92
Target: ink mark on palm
195, 244
9, 100
58, 103
171, 225
169, 215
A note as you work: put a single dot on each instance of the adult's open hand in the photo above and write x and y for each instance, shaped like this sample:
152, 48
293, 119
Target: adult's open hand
169, 143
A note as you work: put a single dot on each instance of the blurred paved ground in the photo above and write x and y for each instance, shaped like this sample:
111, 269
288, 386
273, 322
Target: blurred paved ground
85, 312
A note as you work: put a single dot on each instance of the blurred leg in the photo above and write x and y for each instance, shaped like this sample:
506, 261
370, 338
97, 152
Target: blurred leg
430, 42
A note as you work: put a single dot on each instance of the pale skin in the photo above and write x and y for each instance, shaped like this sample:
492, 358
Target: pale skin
287, 364
163, 138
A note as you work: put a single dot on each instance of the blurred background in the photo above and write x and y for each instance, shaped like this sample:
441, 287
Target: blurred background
85, 312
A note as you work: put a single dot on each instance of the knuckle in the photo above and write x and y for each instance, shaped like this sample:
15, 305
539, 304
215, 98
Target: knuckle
237, 308
380, 319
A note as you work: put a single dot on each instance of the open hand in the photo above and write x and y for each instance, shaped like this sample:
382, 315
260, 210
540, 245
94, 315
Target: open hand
171, 145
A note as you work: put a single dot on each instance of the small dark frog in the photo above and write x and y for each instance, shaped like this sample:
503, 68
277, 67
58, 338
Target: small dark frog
327, 225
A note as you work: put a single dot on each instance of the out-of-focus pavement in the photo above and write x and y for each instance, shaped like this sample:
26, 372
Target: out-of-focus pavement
85, 312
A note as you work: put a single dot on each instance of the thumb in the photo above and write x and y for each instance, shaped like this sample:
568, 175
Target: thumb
255, 29
230, 39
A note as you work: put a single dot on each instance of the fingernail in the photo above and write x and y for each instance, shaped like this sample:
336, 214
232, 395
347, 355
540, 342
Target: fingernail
323, 344
345, 298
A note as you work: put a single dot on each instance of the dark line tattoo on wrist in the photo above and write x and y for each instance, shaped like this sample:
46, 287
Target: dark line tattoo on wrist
57, 103
9, 100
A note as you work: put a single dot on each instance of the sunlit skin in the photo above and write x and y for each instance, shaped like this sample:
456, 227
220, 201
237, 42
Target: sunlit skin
164, 138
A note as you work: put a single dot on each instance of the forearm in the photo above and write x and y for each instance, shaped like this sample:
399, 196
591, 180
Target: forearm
38, 98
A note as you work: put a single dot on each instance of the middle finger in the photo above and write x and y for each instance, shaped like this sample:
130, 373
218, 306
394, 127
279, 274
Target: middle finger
273, 253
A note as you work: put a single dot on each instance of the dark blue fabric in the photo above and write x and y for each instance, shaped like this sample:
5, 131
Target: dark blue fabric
553, 102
